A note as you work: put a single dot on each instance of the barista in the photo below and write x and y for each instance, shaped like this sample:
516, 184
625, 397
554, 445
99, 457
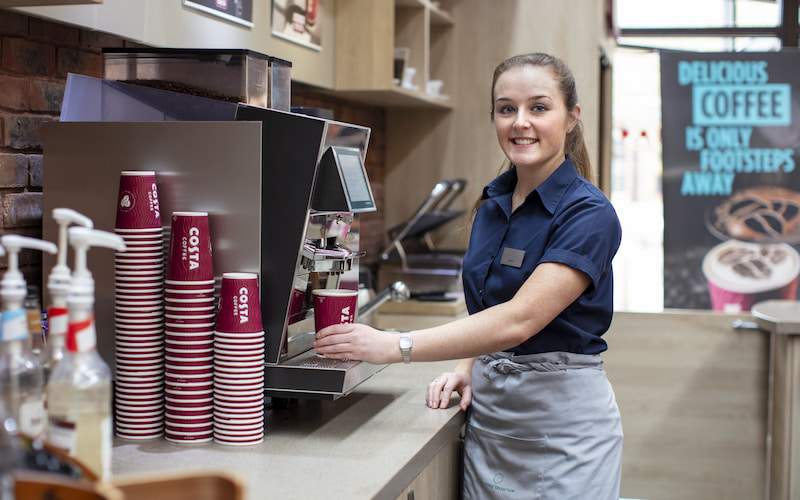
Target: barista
537, 277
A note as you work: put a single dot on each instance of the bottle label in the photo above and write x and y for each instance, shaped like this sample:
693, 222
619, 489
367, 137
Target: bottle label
34, 320
33, 417
57, 321
87, 437
34, 317
14, 325
62, 434
81, 336
105, 448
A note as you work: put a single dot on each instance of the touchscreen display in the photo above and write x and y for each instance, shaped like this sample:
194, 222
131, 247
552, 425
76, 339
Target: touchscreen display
355, 181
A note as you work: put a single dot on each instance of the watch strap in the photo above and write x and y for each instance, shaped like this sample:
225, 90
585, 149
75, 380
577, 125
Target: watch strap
405, 347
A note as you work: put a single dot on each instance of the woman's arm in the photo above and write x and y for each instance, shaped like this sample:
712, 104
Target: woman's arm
550, 289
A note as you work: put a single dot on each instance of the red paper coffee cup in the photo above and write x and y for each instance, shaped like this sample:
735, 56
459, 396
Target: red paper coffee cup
253, 407
181, 437
134, 260
182, 420
296, 304
243, 441
189, 337
334, 307
221, 428
239, 304
223, 380
170, 378
238, 349
178, 369
189, 257
141, 231
234, 416
196, 328
179, 295
178, 411
137, 412
137, 201
732, 291
240, 338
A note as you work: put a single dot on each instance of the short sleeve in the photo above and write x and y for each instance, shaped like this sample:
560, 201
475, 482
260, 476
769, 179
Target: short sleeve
586, 234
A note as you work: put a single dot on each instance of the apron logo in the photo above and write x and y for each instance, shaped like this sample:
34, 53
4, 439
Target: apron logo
495, 483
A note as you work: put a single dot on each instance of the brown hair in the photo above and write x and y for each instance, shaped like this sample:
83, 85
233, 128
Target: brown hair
575, 144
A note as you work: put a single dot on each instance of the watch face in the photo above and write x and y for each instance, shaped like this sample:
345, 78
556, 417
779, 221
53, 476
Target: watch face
405, 342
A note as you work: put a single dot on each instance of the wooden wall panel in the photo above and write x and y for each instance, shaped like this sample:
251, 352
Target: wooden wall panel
692, 391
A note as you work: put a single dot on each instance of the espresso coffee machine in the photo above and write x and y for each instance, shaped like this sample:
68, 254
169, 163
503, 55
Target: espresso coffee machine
320, 193
283, 191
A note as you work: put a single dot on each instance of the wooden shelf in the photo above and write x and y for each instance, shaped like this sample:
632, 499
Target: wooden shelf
39, 3
441, 17
396, 97
367, 35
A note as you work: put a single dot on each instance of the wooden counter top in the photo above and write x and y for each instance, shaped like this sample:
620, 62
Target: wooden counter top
369, 444
778, 316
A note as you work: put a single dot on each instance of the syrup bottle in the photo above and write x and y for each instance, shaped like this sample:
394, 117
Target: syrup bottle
21, 375
58, 287
79, 392
10, 454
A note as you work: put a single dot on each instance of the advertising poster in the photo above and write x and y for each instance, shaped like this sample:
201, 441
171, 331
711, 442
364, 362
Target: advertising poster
730, 182
238, 11
299, 21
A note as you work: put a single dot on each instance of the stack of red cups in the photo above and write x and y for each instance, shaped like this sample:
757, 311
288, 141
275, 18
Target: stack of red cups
189, 334
239, 362
139, 309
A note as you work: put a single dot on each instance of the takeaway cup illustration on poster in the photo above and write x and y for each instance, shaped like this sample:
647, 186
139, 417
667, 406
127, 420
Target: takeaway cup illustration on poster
731, 190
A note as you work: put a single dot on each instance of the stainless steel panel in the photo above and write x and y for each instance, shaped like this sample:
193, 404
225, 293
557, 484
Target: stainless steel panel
201, 166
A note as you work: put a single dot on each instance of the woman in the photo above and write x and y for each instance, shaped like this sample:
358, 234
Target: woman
543, 421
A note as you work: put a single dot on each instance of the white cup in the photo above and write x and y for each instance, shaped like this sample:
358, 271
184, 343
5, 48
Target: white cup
408, 77
434, 87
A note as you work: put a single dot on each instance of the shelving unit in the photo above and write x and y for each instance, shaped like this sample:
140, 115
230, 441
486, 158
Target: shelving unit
36, 3
368, 31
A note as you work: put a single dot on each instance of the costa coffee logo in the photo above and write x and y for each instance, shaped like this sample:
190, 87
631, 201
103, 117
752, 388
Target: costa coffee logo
193, 248
126, 201
242, 307
346, 314
154, 206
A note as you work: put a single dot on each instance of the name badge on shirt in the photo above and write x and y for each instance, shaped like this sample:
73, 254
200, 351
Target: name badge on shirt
512, 257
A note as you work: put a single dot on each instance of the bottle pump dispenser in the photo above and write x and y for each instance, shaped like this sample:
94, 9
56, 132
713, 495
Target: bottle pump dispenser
79, 392
21, 375
58, 286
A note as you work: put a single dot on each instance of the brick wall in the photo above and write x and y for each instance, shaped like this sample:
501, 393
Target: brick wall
35, 57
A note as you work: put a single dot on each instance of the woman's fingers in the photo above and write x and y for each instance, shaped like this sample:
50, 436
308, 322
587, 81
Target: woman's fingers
439, 391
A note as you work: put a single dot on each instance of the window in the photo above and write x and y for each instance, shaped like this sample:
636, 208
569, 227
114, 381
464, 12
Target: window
636, 168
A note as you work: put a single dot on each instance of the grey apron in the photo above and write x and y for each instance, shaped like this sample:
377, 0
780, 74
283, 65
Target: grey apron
542, 426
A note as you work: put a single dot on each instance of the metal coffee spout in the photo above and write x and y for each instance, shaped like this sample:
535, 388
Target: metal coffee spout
396, 292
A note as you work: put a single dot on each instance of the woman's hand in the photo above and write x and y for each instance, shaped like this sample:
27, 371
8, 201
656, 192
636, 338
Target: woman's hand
442, 388
358, 342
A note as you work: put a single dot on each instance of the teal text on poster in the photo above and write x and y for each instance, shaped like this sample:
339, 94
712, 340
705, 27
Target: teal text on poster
765, 105
730, 99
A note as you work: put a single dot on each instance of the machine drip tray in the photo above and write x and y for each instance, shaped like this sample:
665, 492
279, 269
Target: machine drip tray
309, 376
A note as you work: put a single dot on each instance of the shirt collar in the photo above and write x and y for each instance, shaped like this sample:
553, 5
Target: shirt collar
550, 191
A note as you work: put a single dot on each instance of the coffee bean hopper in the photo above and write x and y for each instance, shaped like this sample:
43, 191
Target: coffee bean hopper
283, 191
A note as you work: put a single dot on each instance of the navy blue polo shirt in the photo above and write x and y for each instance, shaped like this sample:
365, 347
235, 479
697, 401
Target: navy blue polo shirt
565, 219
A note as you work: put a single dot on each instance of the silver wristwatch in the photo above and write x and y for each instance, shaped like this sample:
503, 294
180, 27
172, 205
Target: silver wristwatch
405, 347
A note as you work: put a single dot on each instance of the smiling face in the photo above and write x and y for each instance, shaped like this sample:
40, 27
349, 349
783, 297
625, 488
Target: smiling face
531, 119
